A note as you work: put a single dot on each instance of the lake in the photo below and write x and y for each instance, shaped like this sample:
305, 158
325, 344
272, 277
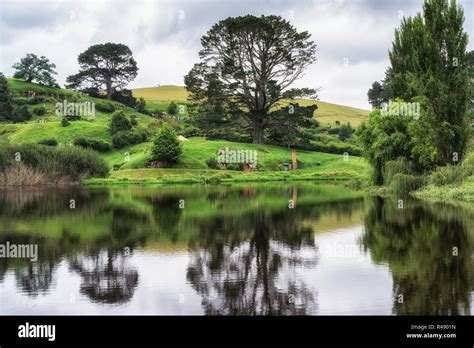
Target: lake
266, 249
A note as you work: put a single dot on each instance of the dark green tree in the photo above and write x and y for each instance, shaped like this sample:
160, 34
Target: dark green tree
5, 99
33, 68
172, 108
110, 66
247, 66
376, 95
428, 60
167, 147
119, 122
470, 67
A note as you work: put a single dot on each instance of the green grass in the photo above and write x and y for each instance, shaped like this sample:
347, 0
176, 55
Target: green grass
327, 113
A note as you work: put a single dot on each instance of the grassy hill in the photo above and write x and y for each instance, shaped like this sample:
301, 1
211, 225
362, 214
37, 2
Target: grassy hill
129, 163
327, 113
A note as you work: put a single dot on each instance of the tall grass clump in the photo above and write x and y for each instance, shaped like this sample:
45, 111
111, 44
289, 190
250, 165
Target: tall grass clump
48, 165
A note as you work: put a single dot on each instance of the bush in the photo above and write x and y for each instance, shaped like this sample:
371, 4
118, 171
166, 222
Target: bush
450, 174
167, 147
48, 142
398, 166
141, 105
172, 108
345, 132
212, 163
55, 162
104, 106
39, 110
98, 145
119, 122
20, 114
125, 97
125, 138
234, 166
134, 120
65, 122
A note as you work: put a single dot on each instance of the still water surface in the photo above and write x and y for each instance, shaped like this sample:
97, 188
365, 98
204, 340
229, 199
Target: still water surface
237, 250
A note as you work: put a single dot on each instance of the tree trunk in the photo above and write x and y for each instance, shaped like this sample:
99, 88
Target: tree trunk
109, 90
258, 131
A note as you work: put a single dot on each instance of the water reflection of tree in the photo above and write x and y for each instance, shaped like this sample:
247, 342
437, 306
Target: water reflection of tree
106, 276
246, 265
417, 243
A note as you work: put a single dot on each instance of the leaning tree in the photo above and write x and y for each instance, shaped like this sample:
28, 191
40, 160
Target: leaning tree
109, 66
247, 66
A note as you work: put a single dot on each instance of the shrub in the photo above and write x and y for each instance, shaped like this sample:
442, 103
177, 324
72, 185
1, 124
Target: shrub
119, 122
234, 166
65, 122
22, 101
98, 145
212, 163
141, 105
345, 132
172, 108
120, 139
20, 114
125, 97
134, 120
39, 110
449, 174
55, 162
104, 106
167, 147
48, 142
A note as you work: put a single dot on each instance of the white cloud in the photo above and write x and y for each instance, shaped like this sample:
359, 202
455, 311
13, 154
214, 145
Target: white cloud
166, 44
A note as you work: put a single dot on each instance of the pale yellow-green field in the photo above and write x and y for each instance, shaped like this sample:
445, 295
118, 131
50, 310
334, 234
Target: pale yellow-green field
327, 113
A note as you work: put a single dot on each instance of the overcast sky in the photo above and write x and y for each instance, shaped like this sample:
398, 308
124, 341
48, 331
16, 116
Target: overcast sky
353, 36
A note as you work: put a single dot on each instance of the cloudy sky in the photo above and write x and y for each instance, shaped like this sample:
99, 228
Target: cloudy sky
353, 36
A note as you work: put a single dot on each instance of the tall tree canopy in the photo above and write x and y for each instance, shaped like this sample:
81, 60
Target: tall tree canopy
5, 99
428, 60
429, 67
247, 66
108, 66
33, 68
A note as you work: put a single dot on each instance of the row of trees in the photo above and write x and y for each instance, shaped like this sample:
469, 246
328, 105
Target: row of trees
247, 67
428, 66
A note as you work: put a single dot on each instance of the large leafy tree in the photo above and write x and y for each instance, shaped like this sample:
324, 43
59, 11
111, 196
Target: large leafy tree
33, 68
109, 66
5, 99
428, 59
247, 67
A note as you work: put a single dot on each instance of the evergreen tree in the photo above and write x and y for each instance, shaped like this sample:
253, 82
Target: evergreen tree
5, 99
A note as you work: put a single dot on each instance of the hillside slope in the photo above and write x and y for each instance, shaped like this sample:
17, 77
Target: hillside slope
327, 113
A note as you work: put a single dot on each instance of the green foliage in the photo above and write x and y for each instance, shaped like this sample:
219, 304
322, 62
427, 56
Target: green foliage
394, 167
403, 184
427, 60
258, 78
212, 163
383, 139
104, 106
141, 105
172, 108
39, 110
125, 138
166, 146
98, 145
65, 122
106, 66
119, 122
345, 131
20, 114
48, 142
33, 68
5, 99
69, 161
